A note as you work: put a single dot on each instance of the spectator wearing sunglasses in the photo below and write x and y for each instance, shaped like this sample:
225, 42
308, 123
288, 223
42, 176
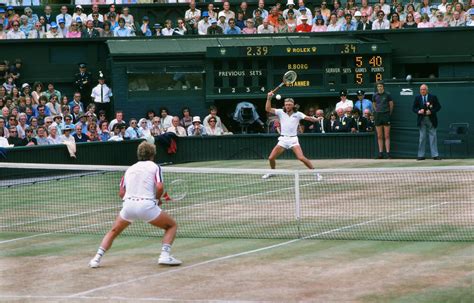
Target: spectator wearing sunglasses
37, 32
16, 33
381, 23
13, 137
95, 11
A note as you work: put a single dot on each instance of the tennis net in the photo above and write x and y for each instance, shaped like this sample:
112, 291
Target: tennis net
404, 204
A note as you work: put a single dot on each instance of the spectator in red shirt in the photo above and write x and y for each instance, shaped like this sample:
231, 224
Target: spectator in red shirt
304, 27
273, 16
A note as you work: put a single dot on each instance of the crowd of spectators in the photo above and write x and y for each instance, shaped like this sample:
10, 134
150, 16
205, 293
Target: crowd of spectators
40, 114
89, 22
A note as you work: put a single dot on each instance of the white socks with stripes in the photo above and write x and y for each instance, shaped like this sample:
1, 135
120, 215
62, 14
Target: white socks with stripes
165, 250
100, 253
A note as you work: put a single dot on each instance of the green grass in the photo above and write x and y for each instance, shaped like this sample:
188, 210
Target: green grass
414, 206
306, 270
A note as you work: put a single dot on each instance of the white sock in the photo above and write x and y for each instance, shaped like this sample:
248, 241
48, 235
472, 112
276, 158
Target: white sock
165, 250
100, 253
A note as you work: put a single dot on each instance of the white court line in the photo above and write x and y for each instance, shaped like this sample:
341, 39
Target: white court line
250, 251
55, 232
61, 217
117, 298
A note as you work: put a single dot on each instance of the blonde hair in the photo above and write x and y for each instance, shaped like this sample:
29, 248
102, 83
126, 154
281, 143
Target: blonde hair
146, 151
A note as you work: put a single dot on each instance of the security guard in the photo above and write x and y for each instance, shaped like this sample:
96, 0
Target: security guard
83, 82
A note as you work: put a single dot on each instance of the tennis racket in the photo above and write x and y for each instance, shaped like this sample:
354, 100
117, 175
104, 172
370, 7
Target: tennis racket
288, 78
175, 190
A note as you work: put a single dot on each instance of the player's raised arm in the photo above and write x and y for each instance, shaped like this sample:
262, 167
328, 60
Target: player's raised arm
311, 119
268, 104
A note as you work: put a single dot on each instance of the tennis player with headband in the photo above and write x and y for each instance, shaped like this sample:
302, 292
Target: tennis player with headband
289, 121
141, 187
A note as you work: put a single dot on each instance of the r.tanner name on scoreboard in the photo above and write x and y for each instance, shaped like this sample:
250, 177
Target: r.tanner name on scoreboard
240, 73
348, 70
299, 84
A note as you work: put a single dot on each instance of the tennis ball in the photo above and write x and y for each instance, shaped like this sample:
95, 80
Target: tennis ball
278, 97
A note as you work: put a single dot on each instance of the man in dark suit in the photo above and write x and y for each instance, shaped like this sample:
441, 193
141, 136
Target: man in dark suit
426, 106
365, 24
323, 125
96, 23
48, 15
359, 123
343, 122
83, 84
90, 31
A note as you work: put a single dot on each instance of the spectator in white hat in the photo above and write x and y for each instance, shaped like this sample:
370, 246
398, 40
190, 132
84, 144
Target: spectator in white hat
53, 32
290, 6
79, 13
196, 129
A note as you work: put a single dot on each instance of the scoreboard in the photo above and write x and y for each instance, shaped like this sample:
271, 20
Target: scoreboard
251, 71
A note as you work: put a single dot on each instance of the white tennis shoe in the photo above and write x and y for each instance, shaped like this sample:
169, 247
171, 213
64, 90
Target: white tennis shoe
94, 263
266, 176
318, 177
170, 260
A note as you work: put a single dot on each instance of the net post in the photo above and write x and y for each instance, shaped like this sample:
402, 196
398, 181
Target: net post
297, 202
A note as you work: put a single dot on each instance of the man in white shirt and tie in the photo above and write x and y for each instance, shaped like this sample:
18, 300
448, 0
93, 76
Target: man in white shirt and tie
101, 95
65, 16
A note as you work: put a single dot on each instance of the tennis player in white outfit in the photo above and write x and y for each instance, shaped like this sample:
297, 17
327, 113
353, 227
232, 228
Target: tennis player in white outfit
289, 121
141, 187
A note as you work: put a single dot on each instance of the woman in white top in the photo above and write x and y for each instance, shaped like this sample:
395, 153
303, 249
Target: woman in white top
141, 188
53, 105
333, 25
289, 121
37, 90
213, 129
168, 30
129, 21
3, 140
22, 126
78, 13
143, 126
156, 129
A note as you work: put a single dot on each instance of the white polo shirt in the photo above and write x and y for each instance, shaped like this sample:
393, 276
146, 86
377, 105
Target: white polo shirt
140, 180
344, 105
101, 93
289, 124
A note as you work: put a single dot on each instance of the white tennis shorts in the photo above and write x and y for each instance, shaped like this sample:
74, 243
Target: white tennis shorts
137, 209
288, 142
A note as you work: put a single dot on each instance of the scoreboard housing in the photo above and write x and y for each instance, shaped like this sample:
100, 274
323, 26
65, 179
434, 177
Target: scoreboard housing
251, 71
